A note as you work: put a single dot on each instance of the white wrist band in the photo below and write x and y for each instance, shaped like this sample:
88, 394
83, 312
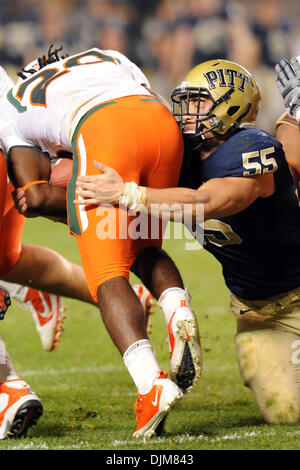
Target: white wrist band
134, 196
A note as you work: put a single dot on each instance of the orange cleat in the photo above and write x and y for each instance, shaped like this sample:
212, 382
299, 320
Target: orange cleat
150, 409
20, 408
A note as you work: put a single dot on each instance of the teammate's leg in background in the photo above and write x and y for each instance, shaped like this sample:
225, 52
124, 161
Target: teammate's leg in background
45, 277
46, 270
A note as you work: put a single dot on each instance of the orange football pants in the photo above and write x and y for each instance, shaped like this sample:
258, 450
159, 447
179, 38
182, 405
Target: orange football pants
11, 223
140, 139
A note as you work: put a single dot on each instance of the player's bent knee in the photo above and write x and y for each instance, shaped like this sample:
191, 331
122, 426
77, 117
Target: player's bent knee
261, 370
279, 405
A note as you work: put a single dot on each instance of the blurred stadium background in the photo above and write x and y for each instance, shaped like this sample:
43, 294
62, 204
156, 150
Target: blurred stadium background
164, 37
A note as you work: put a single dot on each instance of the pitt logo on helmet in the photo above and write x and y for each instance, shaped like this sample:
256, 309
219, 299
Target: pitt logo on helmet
226, 77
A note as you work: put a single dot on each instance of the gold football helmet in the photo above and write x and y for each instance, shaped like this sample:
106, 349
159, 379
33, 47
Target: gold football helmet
233, 91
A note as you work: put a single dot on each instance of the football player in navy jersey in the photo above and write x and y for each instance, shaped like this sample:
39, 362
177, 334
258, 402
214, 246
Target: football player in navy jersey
252, 223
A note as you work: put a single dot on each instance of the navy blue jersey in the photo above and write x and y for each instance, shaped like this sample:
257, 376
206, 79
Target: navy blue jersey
259, 248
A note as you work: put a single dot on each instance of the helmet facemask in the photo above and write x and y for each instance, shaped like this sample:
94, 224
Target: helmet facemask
205, 122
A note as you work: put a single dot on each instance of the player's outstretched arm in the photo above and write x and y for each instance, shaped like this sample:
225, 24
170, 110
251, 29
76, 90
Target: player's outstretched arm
27, 167
288, 82
220, 196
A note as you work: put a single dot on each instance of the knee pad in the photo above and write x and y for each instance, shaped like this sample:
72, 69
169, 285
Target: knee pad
265, 368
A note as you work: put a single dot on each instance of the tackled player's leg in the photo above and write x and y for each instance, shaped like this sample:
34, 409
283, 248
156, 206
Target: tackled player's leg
159, 273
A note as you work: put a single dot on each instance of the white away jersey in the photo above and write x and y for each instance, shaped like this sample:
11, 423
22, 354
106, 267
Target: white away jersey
51, 102
8, 113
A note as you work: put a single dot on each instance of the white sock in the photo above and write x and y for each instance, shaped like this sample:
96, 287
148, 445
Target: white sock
173, 298
7, 371
141, 364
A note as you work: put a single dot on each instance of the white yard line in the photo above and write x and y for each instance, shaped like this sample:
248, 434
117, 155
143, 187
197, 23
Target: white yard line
43, 446
203, 438
71, 370
180, 439
103, 369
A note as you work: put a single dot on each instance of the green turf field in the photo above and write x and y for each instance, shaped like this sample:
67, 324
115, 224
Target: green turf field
88, 395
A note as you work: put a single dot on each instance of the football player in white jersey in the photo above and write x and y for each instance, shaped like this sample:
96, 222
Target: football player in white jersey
48, 270
98, 103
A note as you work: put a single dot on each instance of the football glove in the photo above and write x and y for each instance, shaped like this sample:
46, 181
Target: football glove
4, 302
288, 82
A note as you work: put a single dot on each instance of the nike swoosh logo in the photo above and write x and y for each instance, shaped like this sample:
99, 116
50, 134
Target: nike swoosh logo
154, 403
187, 338
245, 311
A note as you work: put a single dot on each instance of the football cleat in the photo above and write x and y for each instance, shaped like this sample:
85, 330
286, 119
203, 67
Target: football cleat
147, 300
5, 302
20, 408
185, 349
48, 313
150, 409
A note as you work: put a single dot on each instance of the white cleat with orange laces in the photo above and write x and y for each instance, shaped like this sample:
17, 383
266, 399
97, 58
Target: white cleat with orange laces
20, 408
47, 311
151, 409
185, 349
